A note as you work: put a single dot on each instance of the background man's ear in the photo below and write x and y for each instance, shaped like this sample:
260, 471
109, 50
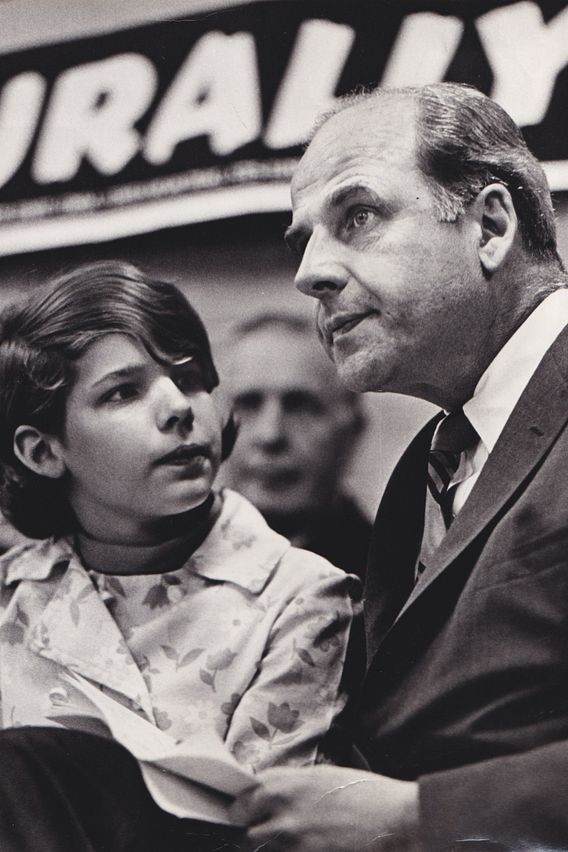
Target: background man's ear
495, 212
229, 436
39, 452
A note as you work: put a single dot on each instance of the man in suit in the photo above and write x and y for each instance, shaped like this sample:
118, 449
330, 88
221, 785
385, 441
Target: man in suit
425, 231
297, 431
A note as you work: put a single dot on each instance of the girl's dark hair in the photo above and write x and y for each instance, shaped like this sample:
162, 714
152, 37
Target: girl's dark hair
42, 338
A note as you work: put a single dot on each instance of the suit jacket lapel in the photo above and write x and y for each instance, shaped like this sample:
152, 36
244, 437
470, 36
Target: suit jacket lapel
532, 428
396, 539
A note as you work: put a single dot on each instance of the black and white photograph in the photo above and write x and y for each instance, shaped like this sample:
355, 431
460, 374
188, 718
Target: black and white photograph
283, 426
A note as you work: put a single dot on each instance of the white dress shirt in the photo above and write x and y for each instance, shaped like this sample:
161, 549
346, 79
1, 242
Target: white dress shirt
501, 385
495, 396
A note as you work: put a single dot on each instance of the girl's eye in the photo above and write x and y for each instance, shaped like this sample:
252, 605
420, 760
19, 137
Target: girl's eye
190, 379
121, 393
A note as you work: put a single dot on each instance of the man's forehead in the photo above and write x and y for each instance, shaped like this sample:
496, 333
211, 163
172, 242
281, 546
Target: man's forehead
380, 129
278, 357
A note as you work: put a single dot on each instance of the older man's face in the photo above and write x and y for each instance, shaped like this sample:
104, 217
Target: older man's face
296, 424
400, 293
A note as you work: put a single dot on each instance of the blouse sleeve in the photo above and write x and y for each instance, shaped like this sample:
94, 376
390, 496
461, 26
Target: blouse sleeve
295, 696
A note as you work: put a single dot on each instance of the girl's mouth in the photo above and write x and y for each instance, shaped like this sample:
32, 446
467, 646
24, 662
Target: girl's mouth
185, 454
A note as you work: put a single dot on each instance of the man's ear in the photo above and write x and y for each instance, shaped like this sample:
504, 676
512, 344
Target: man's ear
39, 452
495, 214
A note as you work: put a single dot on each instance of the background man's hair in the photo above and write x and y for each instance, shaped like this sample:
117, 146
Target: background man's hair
299, 324
466, 141
291, 320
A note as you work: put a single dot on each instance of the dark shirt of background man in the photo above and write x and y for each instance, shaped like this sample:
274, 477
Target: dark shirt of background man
298, 428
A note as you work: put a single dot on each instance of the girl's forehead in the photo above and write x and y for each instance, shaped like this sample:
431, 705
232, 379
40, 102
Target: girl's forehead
110, 353
114, 343
115, 352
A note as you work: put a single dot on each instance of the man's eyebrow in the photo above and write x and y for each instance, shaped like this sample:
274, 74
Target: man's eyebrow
343, 193
123, 373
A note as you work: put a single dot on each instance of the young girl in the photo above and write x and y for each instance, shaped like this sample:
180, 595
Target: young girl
174, 600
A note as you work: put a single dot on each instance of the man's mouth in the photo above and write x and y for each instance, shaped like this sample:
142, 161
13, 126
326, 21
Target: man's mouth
342, 324
272, 475
186, 454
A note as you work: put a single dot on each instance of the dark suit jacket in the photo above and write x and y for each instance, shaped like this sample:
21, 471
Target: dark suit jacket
341, 534
467, 681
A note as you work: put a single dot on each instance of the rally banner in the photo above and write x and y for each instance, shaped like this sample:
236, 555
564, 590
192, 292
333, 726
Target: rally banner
204, 116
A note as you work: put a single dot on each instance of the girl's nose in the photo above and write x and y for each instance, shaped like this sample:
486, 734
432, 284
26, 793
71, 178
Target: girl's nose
173, 406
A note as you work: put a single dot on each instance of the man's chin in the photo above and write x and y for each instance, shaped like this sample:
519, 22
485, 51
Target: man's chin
357, 377
362, 372
275, 503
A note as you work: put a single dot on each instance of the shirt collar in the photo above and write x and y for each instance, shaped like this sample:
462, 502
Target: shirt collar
503, 382
34, 560
241, 548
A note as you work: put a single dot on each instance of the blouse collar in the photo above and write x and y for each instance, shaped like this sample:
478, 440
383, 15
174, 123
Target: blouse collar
241, 549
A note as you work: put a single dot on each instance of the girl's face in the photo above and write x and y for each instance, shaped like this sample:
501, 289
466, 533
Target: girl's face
141, 441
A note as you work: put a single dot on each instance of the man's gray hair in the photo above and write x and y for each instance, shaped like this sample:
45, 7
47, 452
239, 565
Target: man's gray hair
466, 141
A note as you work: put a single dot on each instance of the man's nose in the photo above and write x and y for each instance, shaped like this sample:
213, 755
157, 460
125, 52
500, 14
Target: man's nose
269, 425
320, 273
173, 407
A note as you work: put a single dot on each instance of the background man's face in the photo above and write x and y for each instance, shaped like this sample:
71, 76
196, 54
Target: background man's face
399, 291
296, 424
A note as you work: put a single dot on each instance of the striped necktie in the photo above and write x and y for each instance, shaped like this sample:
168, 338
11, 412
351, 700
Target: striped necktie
454, 435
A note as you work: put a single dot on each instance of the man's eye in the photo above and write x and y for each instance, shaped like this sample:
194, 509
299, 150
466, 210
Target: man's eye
359, 217
247, 402
300, 248
296, 242
121, 393
301, 402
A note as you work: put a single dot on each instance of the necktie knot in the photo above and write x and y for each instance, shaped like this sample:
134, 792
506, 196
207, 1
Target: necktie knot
454, 435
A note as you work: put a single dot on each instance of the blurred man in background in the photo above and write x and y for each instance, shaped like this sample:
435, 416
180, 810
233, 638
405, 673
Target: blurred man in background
298, 428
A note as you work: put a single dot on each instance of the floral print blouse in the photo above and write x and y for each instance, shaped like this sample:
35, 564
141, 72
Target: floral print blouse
247, 639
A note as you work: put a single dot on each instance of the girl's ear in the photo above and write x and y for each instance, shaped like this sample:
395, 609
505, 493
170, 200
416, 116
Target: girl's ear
39, 452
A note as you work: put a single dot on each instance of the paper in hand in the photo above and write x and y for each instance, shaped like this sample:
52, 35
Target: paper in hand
195, 778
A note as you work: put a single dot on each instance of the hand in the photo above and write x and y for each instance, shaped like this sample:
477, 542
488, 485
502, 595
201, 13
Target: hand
328, 809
